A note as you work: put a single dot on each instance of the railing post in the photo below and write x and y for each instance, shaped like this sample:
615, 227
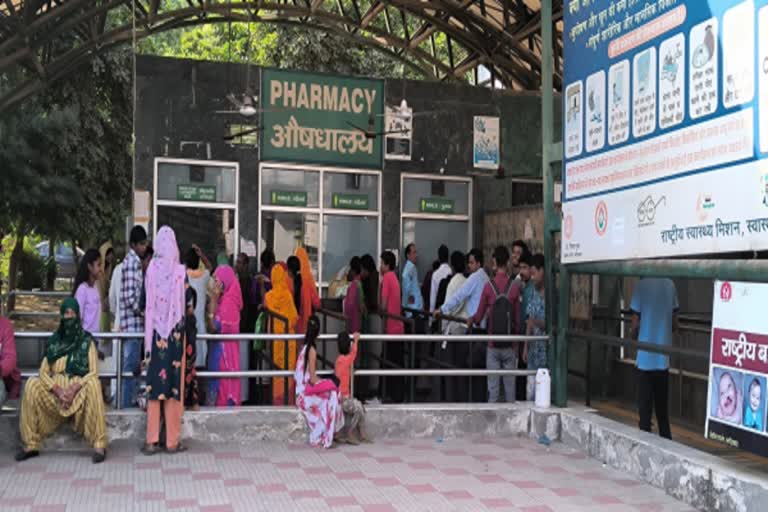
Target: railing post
471, 366
588, 374
119, 373
325, 342
413, 365
286, 343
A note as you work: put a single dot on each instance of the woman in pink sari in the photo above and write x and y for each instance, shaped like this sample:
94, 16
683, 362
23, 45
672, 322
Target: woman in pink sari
318, 399
224, 318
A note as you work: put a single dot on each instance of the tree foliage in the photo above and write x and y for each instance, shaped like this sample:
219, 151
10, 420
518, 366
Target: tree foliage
281, 46
66, 158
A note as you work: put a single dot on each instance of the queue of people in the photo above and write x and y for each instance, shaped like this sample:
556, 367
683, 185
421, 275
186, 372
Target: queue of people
164, 302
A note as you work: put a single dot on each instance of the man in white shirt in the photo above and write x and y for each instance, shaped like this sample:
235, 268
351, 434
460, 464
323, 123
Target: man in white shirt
518, 249
109, 364
114, 296
443, 271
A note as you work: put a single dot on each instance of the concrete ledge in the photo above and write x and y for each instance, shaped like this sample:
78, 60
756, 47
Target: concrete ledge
286, 424
700, 480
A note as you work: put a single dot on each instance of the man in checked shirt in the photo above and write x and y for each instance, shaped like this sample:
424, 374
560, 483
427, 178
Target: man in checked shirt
131, 315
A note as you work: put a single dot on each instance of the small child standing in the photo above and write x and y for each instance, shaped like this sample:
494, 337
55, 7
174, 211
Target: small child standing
354, 412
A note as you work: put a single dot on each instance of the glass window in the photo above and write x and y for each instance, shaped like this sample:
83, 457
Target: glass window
244, 135
415, 190
207, 228
185, 182
291, 187
344, 237
352, 191
284, 232
429, 235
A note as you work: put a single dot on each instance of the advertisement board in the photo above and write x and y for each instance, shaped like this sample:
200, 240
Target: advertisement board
736, 405
486, 153
665, 128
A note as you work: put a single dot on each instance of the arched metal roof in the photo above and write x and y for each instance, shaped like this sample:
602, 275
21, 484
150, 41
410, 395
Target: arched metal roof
52, 38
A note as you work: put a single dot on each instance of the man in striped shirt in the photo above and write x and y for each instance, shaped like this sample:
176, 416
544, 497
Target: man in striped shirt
131, 314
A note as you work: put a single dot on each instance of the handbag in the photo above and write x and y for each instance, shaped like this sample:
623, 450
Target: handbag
261, 328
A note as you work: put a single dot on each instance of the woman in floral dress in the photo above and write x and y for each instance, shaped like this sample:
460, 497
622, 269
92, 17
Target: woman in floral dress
164, 342
320, 404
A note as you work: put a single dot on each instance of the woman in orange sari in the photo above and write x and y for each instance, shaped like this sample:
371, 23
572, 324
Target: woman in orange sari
280, 300
309, 300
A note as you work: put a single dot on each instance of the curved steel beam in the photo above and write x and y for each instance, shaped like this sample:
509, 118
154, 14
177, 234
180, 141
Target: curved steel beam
480, 38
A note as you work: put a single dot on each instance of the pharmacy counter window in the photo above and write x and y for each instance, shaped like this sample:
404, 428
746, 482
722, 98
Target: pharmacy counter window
346, 223
198, 200
435, 210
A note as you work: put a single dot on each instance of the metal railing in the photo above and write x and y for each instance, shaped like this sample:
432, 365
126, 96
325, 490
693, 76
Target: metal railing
591, 338
119, 375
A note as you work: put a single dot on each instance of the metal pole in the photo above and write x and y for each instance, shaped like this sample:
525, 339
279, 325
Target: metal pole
285, 367
413, 366
558, 356
119, 371
325, 342
471, 364
588, 374
560, 347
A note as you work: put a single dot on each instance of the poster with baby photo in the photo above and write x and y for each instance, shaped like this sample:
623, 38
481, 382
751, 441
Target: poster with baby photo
727, 395
754, 402
737, 405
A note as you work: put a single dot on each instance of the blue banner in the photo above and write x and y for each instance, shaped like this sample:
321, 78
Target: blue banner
656, 92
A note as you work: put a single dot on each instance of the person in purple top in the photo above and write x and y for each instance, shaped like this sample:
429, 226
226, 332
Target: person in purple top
86, 290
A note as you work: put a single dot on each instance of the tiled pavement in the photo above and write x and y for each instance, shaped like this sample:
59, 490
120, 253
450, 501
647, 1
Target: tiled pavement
414, 475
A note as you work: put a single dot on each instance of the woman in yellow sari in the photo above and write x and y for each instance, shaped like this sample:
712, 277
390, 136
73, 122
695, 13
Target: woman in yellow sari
68, 388
280, 300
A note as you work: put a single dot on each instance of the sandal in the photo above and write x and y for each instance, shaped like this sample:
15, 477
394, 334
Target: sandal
99, 457
150, 449
23, 455
180, 448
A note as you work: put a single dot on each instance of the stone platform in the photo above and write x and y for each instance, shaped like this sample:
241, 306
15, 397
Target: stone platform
699, 480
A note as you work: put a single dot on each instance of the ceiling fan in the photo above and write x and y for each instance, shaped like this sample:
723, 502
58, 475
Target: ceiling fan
370, 132
246, 106
401, 112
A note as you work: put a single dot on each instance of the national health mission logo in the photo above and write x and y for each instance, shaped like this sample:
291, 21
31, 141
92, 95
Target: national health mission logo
726, 292
601, 218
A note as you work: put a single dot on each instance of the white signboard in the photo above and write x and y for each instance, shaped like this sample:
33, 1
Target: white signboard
665, 135
398, 141
486, 143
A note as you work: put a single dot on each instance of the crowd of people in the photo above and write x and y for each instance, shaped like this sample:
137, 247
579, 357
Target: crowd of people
163, 301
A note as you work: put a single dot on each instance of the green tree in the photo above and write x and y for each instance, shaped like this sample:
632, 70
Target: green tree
34, 190
66, 158
286, 47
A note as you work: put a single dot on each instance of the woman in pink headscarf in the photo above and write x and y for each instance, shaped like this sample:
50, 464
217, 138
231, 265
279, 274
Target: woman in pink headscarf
226, 302
164, 342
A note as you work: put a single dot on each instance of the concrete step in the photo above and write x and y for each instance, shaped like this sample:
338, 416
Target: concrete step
701, 480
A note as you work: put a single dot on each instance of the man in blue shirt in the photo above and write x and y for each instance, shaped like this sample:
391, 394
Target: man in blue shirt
411, 292
654, 317
472, 289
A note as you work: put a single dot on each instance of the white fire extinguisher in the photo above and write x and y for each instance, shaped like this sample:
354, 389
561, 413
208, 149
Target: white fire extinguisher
543, 387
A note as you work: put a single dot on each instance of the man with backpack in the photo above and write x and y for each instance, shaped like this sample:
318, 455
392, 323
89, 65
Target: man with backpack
500, 303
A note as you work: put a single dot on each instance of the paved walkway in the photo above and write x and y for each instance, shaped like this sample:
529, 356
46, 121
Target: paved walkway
415, 475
